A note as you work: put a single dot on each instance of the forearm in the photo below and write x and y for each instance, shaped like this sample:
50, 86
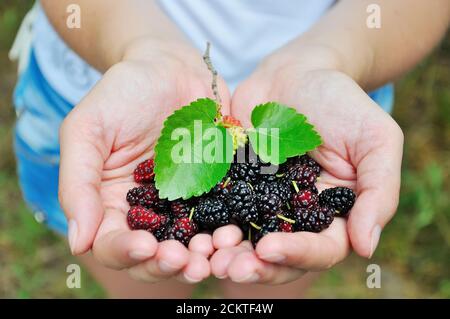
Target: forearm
372, 56
110, 28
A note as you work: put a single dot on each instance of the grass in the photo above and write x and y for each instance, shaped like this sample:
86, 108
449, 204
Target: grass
414, 252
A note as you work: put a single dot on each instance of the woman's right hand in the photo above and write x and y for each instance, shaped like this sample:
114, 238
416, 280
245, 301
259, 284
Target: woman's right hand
104, 137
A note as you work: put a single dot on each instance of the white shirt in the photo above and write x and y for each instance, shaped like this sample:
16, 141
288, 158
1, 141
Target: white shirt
242, 33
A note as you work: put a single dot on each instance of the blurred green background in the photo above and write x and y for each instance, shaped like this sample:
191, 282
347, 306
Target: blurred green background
414, 252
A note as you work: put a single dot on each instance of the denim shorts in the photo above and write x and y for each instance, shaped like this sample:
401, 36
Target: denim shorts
40, 111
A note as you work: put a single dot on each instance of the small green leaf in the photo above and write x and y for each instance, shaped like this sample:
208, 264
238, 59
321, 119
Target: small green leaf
280, 132
192, 154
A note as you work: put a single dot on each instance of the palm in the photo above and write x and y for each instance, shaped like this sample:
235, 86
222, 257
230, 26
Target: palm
135, 114
332, 114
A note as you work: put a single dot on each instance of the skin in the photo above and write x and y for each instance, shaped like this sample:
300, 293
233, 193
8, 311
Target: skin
361, 150
323, 73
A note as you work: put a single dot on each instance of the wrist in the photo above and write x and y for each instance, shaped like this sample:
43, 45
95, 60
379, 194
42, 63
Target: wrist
297, 59
308, 57
153, 49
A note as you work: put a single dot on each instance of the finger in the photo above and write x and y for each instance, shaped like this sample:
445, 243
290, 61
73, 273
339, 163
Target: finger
222, 258
116, 246
244, 96
227, 236
378, 188
224, 96
169, 260
306, 250
202, 244
196, 270
246, 267
82, 158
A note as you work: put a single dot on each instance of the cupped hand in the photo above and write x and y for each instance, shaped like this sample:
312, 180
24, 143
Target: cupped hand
362, 149
103, 139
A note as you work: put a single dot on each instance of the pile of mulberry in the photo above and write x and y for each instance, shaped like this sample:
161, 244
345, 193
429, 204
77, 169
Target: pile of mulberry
260, 203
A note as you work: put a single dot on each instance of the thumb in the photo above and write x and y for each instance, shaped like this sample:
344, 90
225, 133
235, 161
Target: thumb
246, 96
82, 159
378, 187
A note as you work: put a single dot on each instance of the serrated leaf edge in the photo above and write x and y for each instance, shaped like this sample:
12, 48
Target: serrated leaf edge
164, 130
296, 113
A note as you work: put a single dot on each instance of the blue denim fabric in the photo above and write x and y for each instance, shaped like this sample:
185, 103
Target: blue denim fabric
384, 97
41, 111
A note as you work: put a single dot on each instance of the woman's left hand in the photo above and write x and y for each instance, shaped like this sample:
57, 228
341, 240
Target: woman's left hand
362, 149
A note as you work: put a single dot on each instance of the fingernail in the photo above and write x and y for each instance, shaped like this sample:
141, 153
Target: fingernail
139, 255
73, 234
191, 280
376, 233
252, 277
165, 267
275, 258
221, 277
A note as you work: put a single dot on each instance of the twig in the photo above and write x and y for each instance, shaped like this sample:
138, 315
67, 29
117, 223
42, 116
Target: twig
207, 59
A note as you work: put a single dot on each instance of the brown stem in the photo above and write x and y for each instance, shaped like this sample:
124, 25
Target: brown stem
207, 59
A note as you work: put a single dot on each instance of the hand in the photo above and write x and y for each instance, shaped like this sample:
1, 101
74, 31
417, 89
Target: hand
362, 149
103, 139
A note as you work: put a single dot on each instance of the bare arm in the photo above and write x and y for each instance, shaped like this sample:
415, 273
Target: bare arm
108, 29
342, 40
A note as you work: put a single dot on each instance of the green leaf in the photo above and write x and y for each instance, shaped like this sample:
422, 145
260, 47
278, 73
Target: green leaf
192, 154
280, 132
